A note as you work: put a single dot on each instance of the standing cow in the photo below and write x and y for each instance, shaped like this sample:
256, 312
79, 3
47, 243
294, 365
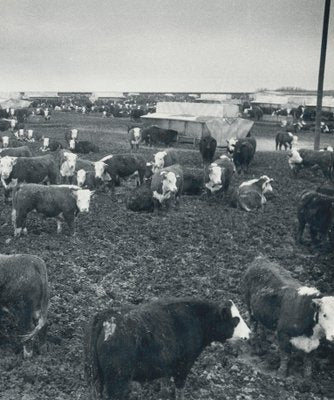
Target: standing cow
219, 175
161, 159
154, 340
243, 153
62, 202
167, 185
207, 148
83, 147
301, 316
286, 139
250, 194
305, 158
24, 295
134, 137
67, 163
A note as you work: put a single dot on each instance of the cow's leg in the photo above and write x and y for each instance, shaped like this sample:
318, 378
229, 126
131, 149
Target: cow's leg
7, 193
307, 363
59, 227
69, 218
314, 235
117, 388
141, 174
18, 220
300, 232
180, 382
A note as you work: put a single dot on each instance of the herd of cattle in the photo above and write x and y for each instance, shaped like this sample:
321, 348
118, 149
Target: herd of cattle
162, 338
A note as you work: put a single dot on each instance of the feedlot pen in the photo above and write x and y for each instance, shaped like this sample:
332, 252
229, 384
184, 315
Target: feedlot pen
202, 249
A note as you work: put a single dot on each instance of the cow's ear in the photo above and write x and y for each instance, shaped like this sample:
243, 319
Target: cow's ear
14, 160
225, 310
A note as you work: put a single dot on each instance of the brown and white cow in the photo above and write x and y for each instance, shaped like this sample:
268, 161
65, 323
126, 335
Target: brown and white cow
250, 194
219, 175
134, 137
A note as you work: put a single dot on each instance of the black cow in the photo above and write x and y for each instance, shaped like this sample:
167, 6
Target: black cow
83, 147
316, 210
193, 181
22, 151
154, 135
305, 158
299, 315
207, 148
286, 139
140, 199
158, 339
24, 295
243, 153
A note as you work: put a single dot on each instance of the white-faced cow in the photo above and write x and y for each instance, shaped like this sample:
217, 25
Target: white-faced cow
218, 175
24, 296
154, 340
67, 164
62, 202
71, 135
134, 137
161, 159
83, 147
250, 194
305, 158
5, 141
286, 139
300, 315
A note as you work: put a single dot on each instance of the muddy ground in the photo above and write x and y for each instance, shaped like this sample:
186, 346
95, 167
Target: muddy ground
202, 250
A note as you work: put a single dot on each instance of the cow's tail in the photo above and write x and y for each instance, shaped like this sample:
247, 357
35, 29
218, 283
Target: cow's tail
44, 301
92, 369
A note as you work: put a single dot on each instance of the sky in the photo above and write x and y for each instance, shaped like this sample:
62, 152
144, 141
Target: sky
162, 45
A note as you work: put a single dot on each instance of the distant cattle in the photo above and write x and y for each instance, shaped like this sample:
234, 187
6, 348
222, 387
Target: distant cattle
305, 158
52, 145
62, 202
161, 159
166, 186
207, 148
22, 151
71, 135
317, 211
250, 194
24, 296
286, 139
7, 124
300, 315
134, 137
154, 135
154, 340
83, 147
219, 175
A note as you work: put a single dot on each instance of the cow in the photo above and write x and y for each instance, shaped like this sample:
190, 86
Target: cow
207, 148
46, 113
219, 175
6, 124
15, 170
304, 158
299, 315
62, 202
52, 145
140, 199
317, 210
124, 165
71, 135
94, 169
193, 181
250, 194
327, 148
83, 147
161, 159
24, 296
5, 141
167, 185
22, 151
286, 139
243, 153
67, 163
154, 134
231, 143
134, 137
162, 338
89, 179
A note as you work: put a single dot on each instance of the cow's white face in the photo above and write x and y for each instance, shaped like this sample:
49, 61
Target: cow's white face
74, 133
68, 166
159, 161
12, 111
83, 199
136, 133
21, 132
326, 315
5, 141
215, 173
330, 148
99, 167
295, 158
72, 144
266, 186
30, 133
13, 123
81, 177
46, 142
169, 183
241, 331
46, 113
231, 144
6, 166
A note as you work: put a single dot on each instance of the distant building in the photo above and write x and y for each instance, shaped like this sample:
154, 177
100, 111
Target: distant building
107, 96
41, 96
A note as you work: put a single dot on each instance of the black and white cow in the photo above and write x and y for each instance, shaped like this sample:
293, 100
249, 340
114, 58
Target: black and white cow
286, 139
317, 211
62, 202
207, 148
231, 143
219, 175
24, 295
305, 158
22, 151
83, 147
15, 170
71, 135
301, 316
250, 194
52, 145
134, 137
159, 339
5, 141
161, 159
154, 135
167, 185
67, 163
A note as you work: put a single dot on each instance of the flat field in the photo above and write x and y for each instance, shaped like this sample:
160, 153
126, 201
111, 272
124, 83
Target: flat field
202, 249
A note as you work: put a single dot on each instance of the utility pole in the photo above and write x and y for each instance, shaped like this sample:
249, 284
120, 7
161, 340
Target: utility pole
321, 75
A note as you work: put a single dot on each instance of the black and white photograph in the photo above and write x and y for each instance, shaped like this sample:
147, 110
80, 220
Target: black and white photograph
167, 200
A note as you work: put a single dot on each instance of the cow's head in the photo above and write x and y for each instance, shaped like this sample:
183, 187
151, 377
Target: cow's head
5, 141
169, 180
21, 132
6, 166
231, 145
30, 133
82, 197
148, 170
46, 142
68, 166
159, 161
100, 168
81, 177
215, 174
72, 144
74, 133
325, 315
13, 123
266, 186
294, 158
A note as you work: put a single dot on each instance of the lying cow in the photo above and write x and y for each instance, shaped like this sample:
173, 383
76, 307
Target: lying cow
124, 165
193, 181
304, 158
140, 199
62, 202
154, 135
52, 145
5, 141
161, 159
207, 148
15, 170
167, 185
71, 135
83, 147
316, 210
22, 151
219, 175
24, 295
154, 340
243, 153
286, 139
134, 137
67, 163
250, 194
299, 315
